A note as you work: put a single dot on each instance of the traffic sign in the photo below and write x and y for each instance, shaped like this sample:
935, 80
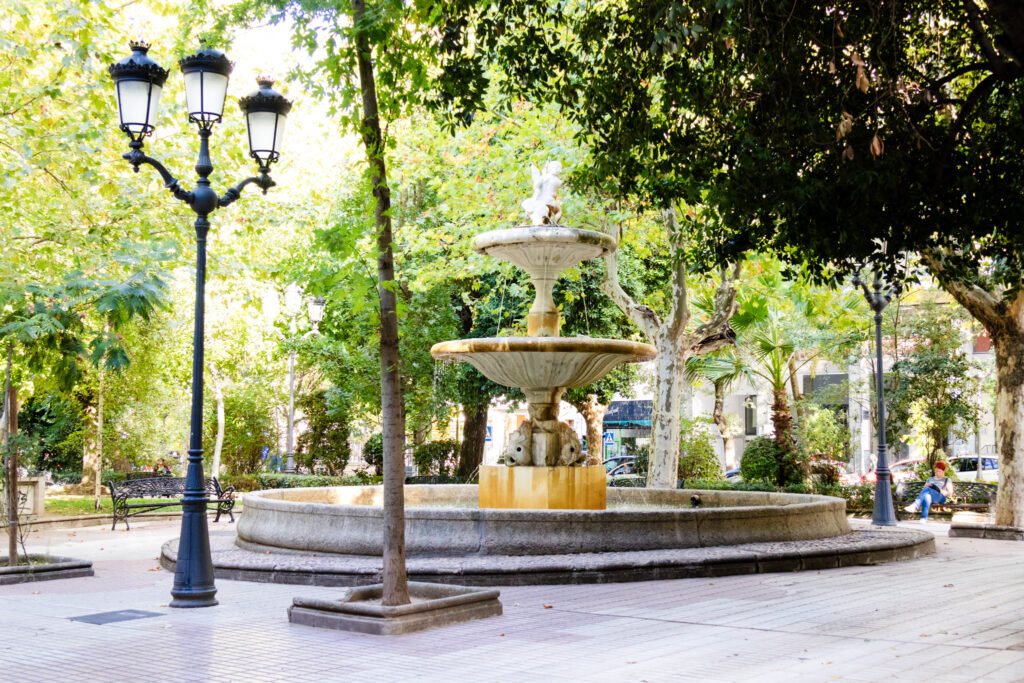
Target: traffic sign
609, 438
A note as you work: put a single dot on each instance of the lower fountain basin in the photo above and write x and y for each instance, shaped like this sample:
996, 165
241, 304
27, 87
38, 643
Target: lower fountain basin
444, 520
544, 362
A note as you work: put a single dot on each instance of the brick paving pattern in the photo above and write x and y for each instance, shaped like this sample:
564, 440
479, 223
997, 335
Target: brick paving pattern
955, 616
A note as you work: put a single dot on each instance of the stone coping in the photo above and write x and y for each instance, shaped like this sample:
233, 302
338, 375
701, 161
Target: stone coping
870, 546
992, 531
444, 520
56, 568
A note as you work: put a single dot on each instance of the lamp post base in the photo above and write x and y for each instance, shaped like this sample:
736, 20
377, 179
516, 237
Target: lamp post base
883, 514
193, 575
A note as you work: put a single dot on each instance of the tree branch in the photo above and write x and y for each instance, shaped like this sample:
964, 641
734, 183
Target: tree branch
725, 302
641, 316
981, 303
680, 313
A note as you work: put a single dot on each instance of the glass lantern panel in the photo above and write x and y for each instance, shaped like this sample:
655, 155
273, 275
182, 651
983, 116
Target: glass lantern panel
138, 103
204, 94
265, 131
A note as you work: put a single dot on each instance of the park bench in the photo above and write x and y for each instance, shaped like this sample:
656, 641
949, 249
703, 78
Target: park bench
967, 495
168, 488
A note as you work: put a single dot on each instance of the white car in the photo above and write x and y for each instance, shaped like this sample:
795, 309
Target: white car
966, 467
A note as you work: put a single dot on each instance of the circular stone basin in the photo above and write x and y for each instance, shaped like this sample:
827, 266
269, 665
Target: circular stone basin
544, 250
543, 362
444, 520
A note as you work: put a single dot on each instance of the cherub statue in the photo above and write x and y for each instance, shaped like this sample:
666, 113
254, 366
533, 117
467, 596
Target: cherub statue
543, 207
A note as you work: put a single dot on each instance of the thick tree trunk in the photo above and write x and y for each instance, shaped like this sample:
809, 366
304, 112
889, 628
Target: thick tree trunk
474, 437
1010, 427
782, 420
395, 578
593, 412
728, 441
91, 455
663, 466
218, 445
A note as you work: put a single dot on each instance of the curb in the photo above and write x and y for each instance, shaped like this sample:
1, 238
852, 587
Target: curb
860, 548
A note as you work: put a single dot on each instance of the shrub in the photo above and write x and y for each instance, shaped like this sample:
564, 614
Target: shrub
643, 457
326, 440
436, 456
697, 457
760, 461
822, 432
373, 453
824, 472
248, 427
273, 480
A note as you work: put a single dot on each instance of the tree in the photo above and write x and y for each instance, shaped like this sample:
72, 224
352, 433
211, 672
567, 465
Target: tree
859, 132
326, 439
723, 370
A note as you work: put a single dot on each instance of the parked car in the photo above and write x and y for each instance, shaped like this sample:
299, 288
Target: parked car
902, 470
616, 460
628, 467
966, 467
733, 474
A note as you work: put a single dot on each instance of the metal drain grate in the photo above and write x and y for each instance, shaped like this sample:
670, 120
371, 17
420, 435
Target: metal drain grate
114, 617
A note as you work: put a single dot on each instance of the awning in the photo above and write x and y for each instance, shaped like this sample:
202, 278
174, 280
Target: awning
629, 413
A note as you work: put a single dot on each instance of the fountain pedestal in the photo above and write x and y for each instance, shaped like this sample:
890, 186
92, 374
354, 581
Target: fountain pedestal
542, 488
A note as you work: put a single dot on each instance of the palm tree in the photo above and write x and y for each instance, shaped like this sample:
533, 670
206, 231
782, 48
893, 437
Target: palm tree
723, 369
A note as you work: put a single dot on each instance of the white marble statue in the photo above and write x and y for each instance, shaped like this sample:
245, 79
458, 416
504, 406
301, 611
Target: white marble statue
543, 207
572, 449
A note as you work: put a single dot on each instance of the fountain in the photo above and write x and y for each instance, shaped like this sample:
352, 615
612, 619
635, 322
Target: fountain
542, 461
543, 517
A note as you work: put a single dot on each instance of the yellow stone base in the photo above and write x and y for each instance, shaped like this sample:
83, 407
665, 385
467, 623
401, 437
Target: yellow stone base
543, 488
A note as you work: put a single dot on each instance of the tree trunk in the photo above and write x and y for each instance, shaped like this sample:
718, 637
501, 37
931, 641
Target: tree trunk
728, 441
1010, 427
98, 472
663, 463
593, 412
218, 445
11, 427
395, 579
782, 420
794, 385
474, 436
91, 455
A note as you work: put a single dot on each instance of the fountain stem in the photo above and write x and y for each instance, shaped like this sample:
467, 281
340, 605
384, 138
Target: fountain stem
543, 319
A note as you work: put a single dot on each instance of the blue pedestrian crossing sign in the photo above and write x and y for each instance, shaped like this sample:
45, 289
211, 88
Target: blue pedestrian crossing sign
609, 438
487, 439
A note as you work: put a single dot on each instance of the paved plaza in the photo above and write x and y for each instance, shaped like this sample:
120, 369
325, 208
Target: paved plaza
957, 615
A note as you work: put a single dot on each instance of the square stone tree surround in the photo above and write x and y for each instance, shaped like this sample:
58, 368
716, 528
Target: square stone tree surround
433, 605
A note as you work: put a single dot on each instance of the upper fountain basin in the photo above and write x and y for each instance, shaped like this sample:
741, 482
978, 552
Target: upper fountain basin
544, 251
544, 362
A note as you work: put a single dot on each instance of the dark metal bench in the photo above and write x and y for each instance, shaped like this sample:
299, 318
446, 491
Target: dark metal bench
967, 495
166, 488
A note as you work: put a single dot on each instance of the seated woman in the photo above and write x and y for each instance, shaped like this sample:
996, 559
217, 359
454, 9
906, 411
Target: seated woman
935, 490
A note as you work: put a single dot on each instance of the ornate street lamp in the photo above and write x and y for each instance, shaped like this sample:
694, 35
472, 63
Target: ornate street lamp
138, 81
292, 308
883, 514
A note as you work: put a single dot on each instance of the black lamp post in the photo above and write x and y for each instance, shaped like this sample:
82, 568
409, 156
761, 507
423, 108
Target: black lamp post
138, 81
883, 513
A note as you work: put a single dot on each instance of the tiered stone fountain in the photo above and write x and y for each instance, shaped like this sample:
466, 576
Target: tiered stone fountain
543, 457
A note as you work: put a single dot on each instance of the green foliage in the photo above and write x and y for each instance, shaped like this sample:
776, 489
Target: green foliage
268, 480
58, 424
248, 427
373, 453
436, 457
326, 439
822, 433
760, 460
697, 457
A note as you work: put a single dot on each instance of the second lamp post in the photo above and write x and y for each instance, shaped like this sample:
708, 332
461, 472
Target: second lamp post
292, 308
